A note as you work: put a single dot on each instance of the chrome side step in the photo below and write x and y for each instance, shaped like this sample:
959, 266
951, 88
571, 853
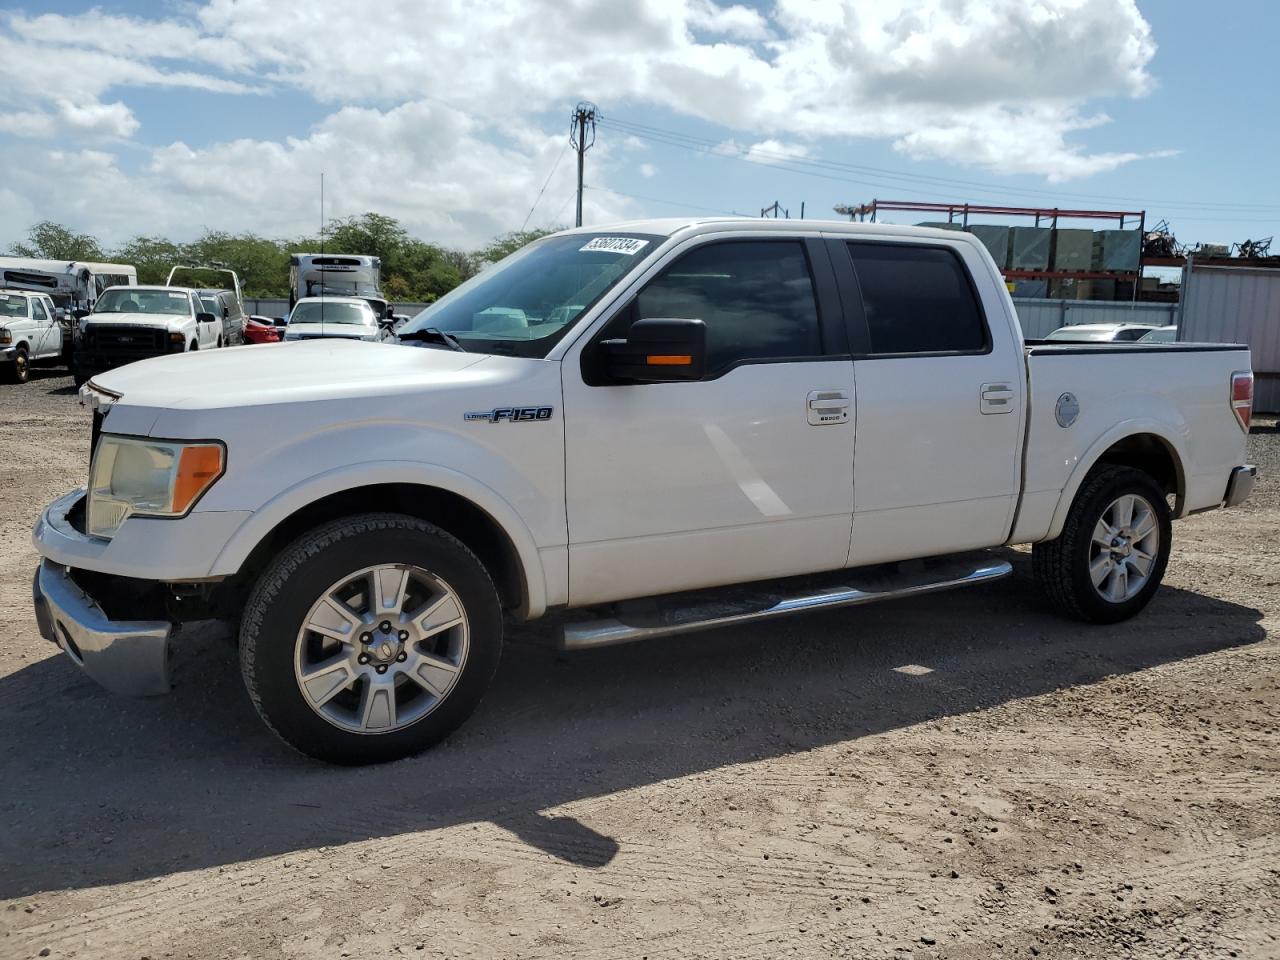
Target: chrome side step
706, 610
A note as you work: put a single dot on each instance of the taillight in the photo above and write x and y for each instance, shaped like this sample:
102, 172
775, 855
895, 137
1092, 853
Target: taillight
1242, 397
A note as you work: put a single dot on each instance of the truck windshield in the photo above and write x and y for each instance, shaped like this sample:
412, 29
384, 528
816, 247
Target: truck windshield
13, 306
315, 312
134, 300
527, 302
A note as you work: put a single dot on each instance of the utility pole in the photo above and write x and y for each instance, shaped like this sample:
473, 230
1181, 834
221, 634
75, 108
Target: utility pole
777, 210
582, 136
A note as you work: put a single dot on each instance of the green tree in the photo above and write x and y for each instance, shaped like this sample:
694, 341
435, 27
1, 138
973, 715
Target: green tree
262, 264
370, 234
153, 256
47, 240
508, 244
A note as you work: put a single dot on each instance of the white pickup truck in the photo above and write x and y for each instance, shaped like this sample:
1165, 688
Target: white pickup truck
29, 333
628, 422
135, 323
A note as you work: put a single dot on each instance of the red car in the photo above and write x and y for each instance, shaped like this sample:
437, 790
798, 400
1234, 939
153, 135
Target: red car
260, 330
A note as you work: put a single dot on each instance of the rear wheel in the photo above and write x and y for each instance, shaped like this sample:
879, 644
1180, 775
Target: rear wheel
370, 639
1111, 555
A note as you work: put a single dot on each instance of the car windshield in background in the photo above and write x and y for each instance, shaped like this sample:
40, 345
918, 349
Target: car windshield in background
332, 313
524, 304
133, 300
13, 306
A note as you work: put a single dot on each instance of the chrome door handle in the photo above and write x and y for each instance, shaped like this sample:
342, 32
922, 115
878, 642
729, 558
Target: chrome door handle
995, 398
828, 406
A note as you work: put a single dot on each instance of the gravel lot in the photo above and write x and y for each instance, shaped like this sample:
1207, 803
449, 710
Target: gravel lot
959, 776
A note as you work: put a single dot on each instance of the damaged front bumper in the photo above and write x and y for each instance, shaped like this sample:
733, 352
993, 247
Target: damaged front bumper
129, 657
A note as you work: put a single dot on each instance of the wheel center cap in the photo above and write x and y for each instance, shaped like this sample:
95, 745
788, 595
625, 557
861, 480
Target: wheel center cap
385, 651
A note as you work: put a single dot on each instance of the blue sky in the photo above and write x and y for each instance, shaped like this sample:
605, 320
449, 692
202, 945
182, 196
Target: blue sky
145, 118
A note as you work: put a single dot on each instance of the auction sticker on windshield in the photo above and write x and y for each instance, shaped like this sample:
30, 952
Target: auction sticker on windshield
628, 245
177, 296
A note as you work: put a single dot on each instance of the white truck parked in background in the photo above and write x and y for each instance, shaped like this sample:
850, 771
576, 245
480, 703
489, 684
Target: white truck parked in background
338, 275
29, 333
661, 410
137, 323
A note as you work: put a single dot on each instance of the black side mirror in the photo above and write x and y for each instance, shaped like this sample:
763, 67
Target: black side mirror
206, 318
79, 314
658, 351
280, 321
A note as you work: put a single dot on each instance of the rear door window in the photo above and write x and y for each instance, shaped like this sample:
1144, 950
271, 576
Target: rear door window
917, 299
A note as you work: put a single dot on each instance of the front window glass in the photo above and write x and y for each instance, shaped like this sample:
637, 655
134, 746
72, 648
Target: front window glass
13, 307
526, 303
327, 312
135, 300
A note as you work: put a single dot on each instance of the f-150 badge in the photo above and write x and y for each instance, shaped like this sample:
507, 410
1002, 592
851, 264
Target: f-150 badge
510, 414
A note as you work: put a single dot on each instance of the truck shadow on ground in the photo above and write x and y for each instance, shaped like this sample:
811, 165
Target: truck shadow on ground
96, 789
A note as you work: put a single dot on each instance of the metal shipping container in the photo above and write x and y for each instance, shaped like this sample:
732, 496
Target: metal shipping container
1030, 248
1072, 249
1237, 305
1117, 249
996, 239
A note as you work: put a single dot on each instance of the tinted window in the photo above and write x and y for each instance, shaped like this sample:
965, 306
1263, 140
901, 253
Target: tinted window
917, 299
756, 300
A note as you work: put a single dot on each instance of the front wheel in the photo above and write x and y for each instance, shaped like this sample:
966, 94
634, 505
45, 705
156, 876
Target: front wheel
1111, 555
370, 638
20, 367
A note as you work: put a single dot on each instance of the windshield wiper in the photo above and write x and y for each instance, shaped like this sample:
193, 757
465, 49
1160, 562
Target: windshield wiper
433, 335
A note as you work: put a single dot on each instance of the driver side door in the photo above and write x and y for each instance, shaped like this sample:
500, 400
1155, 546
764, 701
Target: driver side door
746, 474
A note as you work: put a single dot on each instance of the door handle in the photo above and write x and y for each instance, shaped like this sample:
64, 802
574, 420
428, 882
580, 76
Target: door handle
995, 398
828, 406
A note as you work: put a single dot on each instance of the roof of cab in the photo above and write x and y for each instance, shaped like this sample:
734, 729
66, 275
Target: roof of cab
670, 226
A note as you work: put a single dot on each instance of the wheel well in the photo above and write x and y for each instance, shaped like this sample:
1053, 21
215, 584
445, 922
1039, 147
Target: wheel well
448, 511
1150, 454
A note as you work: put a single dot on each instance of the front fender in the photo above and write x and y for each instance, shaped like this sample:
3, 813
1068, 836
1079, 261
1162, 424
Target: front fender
262, 521
1173, 441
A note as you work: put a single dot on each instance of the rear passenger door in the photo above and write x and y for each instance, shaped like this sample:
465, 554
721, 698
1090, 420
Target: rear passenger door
940, 384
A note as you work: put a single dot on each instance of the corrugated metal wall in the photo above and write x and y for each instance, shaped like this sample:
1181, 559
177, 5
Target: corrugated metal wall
1237, 305
1039, 318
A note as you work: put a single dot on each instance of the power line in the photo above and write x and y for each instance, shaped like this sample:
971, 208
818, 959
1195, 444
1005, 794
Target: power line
554, 166
801, 164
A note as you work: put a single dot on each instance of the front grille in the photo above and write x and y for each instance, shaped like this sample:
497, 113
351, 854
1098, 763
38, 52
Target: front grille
116, 345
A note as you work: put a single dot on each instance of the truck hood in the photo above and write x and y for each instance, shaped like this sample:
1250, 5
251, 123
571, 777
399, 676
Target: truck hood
350, 331
154, 321
328, 369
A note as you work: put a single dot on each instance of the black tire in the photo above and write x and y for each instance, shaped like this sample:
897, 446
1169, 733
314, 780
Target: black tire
290, 585
18, 370
79, 379
1061, 566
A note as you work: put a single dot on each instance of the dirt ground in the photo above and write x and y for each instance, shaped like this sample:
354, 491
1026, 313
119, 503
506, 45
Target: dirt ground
961, 776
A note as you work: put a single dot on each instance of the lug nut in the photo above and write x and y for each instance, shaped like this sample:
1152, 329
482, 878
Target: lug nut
382, 668
385, 626
365, 638
403, 656
403, 635
363, 658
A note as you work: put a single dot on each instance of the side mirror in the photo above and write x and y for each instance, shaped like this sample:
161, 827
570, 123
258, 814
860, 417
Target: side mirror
79, 314
658, 351
206, 318
280, 321
226, 312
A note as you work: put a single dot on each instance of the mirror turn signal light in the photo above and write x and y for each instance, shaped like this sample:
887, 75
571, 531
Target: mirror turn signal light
669, 360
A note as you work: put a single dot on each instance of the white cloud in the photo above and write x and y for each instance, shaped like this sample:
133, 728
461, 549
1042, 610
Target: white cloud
648, 170
430, 107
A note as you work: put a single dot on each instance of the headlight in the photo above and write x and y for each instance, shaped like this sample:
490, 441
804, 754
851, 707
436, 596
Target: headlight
6, 336
148, 478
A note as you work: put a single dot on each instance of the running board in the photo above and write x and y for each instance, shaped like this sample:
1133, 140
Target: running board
708, 609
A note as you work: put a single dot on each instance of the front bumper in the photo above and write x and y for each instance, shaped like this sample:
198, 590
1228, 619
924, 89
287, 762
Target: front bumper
1240, 485
129, 657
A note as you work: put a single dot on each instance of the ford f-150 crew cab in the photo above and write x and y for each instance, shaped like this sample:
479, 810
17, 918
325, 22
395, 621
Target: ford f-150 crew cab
628, 422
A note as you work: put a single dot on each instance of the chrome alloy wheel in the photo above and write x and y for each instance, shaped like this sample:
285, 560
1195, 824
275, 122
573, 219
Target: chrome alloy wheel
381, 648
1123, 551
